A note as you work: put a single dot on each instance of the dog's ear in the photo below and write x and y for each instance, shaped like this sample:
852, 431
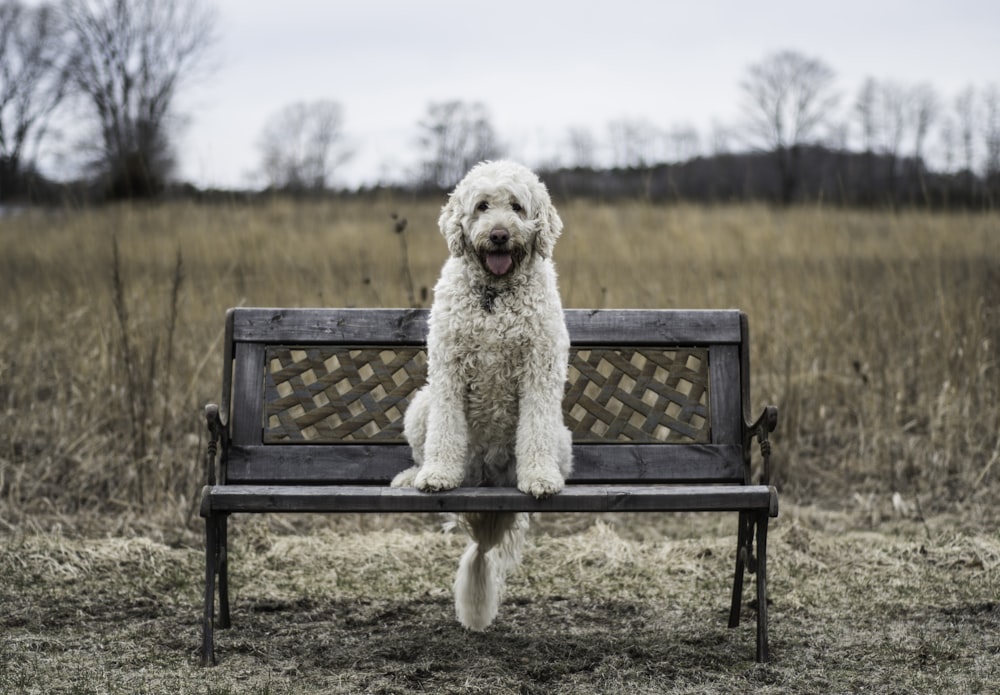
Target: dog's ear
450, 223
548, 224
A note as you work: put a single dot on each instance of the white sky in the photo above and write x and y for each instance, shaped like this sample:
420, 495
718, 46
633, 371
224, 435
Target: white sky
542, 66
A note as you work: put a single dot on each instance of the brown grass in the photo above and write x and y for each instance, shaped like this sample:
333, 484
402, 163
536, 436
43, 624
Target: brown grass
875, 333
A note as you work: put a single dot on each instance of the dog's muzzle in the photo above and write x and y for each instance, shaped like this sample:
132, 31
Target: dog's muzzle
499, 255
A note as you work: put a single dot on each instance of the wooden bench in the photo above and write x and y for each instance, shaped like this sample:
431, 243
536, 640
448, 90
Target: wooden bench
311, 420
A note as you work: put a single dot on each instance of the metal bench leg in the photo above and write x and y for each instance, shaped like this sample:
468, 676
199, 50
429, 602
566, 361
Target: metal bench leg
742, 541
223, 560
211, 552
762, 652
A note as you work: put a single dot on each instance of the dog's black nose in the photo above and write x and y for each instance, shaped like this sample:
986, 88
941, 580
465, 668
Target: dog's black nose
499, 236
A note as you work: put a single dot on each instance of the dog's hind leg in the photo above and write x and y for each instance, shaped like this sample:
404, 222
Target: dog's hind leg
415, 431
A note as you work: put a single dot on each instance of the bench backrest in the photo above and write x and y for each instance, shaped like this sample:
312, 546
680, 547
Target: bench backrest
317, 395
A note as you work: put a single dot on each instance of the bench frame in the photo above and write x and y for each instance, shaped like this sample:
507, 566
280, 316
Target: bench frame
245, 474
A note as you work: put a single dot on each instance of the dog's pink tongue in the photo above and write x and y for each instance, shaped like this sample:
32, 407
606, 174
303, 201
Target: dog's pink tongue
499, 263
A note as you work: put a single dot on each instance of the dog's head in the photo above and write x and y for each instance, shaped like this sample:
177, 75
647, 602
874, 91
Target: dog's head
500, 214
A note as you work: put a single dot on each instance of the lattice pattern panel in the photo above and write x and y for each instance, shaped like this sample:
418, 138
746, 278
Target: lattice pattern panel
328, 394
640, 395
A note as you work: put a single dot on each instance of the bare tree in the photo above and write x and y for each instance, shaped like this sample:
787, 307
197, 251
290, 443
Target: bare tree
892, 109
582, 148
947, 138
455, 135
634, 142
788, 96
891, 114
32, 84
926, 107
864, 108
991, 139
684, 142
302, 145
965, 115
130, 58
720, 139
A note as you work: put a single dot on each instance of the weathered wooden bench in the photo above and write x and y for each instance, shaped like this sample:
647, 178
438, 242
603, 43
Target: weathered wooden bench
311, 420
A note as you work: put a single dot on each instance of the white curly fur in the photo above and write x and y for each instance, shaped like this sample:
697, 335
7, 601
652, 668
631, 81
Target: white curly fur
497, 352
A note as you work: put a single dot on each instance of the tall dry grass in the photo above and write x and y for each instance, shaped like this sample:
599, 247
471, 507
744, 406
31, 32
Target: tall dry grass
876, 333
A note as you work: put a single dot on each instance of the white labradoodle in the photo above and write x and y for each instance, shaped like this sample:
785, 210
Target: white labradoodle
497, 353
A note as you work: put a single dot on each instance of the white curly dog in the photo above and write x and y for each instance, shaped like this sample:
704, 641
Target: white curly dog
497, 355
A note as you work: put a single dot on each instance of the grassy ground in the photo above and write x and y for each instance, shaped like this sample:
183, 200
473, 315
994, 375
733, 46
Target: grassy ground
614, 605
875, 333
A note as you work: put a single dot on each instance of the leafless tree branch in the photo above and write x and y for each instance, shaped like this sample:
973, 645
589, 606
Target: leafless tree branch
130, 58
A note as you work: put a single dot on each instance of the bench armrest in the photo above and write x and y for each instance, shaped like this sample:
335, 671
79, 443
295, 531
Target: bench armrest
216, 433
760, 428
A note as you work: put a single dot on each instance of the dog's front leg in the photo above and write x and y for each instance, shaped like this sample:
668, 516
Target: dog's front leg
447, 440
544, 448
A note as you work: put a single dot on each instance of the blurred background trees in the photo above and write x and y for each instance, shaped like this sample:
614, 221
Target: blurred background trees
96, 83
127, 61
116, 68
302, 146
33, 81
789, 97
454, 136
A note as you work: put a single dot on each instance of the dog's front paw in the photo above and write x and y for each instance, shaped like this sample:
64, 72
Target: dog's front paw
541, 486
405, 478
430, 479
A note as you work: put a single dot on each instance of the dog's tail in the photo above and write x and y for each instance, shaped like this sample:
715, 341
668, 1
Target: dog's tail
497, 540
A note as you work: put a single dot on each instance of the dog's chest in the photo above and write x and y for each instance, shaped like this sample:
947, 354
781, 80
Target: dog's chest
495, 356
492, 390
491, 354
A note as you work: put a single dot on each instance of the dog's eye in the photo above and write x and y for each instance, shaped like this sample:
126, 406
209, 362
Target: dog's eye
483, 206
516, 206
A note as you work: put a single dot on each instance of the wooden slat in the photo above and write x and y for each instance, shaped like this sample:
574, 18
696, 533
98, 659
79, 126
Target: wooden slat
726, 395
409, 326
317, 464
652, 326
377, 464
248, 394
657, 463
584, 498
339, 326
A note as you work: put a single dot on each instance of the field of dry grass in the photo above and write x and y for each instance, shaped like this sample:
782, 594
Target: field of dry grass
599, 606
875, 333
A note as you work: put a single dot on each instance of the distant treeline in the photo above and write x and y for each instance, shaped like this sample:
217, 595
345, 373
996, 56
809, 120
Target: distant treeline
825, 175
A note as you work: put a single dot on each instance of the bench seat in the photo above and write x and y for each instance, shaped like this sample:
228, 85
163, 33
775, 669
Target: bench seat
574, 498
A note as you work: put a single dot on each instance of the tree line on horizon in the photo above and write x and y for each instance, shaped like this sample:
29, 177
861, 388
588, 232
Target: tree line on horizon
115, 68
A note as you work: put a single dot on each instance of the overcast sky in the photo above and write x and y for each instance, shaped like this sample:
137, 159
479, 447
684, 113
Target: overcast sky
542, 67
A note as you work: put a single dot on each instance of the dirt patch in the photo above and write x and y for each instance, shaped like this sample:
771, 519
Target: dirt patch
592, 610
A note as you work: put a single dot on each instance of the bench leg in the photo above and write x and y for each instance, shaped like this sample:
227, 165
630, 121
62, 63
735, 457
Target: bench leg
762, 651
743, 548
211, 554
223, 562
751, 525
